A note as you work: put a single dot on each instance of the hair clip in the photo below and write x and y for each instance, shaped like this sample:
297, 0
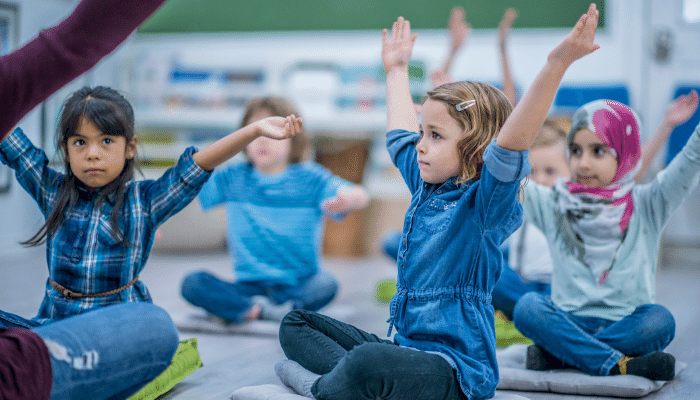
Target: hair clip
465, 104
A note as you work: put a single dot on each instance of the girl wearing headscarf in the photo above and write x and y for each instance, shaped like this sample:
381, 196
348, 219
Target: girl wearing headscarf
603, 233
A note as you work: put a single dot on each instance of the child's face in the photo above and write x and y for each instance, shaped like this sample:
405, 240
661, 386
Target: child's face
269, 156
438, 158
549, 163
95, 158
592, 161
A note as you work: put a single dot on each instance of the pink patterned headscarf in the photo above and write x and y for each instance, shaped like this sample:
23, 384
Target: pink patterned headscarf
597, 218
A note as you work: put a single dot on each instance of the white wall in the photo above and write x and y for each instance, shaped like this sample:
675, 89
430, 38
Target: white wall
620, 59
623, 57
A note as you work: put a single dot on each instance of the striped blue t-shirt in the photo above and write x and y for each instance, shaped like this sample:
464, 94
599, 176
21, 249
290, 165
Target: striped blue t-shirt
275, 222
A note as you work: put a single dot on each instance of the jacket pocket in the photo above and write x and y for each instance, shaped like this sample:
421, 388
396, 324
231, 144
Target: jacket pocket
437, 216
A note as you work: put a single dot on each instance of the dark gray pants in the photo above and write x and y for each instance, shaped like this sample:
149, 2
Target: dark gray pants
354, 364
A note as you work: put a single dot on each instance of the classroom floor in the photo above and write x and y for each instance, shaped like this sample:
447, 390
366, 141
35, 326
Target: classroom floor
234, 361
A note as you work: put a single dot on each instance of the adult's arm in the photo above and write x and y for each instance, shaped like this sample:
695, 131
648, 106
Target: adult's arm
60, 54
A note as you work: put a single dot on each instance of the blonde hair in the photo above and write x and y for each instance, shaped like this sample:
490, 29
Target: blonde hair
280, 107
550, 134
480, 123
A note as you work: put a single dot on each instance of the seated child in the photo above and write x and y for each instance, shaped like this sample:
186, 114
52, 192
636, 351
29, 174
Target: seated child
463, 163
603, 233
528, 254
529, 266
459, 32
100, 221
275, 203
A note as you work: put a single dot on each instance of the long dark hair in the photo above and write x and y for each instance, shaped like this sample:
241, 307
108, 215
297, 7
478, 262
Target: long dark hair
110, 112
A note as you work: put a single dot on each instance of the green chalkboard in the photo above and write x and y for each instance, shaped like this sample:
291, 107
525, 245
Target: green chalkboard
187, 16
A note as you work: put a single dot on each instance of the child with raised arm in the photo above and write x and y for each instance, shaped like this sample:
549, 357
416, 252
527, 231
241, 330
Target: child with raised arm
100, 222
529, 257
603, 233
529, 265
36, 359
463, 164
459, 31
276, 203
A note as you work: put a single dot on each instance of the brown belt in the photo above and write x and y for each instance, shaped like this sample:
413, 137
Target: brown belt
69, 294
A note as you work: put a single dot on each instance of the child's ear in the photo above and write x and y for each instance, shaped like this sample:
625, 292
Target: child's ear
131, 148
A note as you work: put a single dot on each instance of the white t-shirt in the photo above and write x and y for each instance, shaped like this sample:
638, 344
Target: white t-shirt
529, 254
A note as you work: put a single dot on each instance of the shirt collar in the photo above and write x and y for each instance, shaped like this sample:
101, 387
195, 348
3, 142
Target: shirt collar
447, 186
88, 194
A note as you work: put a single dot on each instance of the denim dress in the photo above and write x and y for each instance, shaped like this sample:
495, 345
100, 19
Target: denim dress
449, 261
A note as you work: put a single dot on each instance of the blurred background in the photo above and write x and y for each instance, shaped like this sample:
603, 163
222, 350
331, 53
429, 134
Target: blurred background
190, 68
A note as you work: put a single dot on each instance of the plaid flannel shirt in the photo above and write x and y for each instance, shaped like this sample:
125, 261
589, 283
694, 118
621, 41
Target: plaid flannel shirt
85, 255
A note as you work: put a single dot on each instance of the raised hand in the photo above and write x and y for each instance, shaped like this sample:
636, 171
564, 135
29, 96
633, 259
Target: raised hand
396, 51
459, 28
681, 109
279, 127
579, 42
506, 24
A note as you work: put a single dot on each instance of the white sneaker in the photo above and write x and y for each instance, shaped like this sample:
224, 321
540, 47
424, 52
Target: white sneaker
271, 311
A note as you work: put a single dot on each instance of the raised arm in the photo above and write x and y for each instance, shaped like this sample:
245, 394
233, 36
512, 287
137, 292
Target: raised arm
503, 32
677, 113
459, 30
230, 145
522, 126
62, 53
396, 53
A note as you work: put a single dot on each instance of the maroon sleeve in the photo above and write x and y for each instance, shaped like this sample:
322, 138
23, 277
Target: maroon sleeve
24, 359
60, 54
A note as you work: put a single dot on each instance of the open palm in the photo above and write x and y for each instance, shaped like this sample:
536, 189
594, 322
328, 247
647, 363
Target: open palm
397, 49
682, 109
579, 42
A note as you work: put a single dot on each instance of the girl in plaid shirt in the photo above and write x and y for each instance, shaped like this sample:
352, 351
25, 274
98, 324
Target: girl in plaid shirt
100, 222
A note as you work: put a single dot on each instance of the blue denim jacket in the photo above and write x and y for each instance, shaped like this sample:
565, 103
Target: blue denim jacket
449, 260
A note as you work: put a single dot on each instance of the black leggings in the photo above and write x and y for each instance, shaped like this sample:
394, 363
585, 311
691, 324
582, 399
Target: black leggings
355, 364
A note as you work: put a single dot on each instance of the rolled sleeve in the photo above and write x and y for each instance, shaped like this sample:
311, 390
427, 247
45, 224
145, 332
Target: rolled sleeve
192, 174
175, 188
506, 165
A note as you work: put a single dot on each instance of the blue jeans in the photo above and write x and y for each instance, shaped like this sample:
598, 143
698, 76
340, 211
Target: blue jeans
355, 364
510, 288
9, 320
110, 352
232, 300
593, 345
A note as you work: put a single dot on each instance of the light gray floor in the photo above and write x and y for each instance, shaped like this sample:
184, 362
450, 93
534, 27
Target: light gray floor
234, 361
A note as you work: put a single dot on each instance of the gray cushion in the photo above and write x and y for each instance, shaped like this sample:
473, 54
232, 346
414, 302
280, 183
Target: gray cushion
514, 376
278, 392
